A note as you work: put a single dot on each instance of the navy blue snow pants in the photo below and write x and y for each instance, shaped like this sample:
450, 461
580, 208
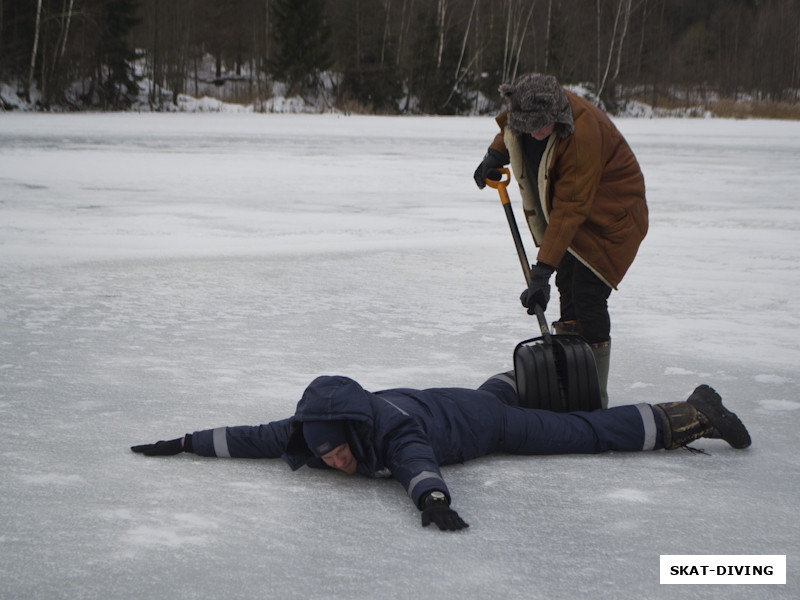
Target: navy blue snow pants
623, 428
530, 431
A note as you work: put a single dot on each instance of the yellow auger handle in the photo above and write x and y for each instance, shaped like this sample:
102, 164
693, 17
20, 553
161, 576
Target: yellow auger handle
500, 186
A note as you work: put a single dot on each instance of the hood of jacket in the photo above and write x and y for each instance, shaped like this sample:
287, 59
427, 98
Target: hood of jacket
333, 398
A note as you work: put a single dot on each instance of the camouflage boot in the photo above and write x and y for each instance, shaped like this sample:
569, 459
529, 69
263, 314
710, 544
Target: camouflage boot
565, 327
702, 415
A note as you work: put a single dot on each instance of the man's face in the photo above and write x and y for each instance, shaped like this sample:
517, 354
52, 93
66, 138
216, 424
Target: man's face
341, 458
543, 133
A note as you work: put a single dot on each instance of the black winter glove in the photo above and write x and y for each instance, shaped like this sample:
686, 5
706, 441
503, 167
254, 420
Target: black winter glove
166, 448
439, 512
488, 167
538, 291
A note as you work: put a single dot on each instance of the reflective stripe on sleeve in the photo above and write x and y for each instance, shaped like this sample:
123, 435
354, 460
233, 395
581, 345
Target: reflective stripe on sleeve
220, 438
649, 423
508, 377
422, 476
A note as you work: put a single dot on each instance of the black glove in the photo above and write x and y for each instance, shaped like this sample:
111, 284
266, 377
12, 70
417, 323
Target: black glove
166, 448
438, 511
488, 168
538, 291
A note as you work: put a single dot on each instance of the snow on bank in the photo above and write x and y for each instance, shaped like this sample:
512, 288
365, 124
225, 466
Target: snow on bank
279, 102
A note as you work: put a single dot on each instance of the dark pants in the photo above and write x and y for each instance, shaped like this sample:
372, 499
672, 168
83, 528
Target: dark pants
532, 431
625, 428
584, 299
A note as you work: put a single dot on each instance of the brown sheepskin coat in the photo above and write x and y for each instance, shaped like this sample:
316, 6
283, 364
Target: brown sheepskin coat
587, 195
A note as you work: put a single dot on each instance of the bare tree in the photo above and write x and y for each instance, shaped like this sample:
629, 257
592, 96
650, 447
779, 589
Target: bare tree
2, 21
547, 35
460, 73
516, 29
465, 38
794, 79
35, 50
441, 25
387, 6
626, 19
622, 13
63, 35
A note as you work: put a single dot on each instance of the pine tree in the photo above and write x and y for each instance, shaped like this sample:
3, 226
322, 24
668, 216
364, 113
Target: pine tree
302, 37
119, 87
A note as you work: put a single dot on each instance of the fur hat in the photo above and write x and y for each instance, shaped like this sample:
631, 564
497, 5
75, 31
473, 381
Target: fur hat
324, 436
536, 101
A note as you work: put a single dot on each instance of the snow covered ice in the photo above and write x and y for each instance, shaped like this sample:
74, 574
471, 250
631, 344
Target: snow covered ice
166, 273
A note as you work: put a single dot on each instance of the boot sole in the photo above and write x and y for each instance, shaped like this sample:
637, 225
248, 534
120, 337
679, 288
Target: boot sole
729, 426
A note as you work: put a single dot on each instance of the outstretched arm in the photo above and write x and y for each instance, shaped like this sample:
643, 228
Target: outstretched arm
260, 441
414, 465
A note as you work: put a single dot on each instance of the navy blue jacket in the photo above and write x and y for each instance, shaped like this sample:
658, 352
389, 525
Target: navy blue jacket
404, 433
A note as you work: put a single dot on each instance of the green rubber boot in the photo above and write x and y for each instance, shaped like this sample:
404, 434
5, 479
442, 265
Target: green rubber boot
602, 359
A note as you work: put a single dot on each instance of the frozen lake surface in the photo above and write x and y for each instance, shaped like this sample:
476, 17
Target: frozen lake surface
166, 273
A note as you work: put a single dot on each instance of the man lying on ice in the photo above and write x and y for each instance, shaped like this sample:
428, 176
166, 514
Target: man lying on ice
408, 434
